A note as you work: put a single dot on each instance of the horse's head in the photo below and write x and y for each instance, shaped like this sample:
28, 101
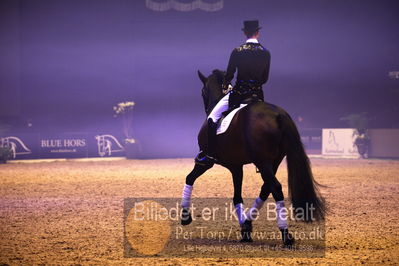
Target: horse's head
212, 90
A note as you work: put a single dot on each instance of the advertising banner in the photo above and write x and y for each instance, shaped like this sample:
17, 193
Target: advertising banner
63, 145
340, 142
384, 143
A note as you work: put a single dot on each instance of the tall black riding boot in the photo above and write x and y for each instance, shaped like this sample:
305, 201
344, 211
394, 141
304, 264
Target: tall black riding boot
210, 157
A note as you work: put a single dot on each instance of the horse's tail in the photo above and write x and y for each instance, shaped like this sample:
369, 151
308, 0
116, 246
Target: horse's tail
307, 202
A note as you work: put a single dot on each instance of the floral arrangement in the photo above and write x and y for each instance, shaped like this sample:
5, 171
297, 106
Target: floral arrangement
125, 111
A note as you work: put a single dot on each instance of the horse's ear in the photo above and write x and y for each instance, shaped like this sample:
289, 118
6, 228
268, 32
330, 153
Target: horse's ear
202, 77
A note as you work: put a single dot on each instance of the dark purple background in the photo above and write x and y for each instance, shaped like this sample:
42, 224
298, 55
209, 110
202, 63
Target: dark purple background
65, 63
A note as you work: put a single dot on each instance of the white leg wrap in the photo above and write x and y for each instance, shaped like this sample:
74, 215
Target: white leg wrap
282, 214
253, 212
186, 197
240, 213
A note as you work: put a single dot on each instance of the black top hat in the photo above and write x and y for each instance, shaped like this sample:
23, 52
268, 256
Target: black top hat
251, 25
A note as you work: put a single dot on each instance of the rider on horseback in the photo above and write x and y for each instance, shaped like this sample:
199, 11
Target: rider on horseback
252, 62
261, 133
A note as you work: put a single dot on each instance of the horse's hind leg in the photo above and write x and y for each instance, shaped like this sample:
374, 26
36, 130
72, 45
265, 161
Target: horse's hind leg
187, 190
265, 190
272, 185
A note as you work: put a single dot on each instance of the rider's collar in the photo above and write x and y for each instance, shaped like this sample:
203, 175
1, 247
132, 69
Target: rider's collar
252, 40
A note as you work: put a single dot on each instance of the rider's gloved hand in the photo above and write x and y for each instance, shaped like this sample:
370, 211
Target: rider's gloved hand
227, 88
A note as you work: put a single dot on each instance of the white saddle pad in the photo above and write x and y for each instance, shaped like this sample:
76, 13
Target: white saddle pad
224, 125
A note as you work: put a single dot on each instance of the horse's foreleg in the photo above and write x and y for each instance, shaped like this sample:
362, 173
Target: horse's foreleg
195, 173
237, 174
187, 191
246, 225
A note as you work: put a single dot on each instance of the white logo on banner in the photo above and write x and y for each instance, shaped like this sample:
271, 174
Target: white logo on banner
184, 7
107, 144
16, 145
332, 143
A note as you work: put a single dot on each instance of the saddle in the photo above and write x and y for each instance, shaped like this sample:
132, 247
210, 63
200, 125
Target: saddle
245, 92
225, 121
242, 95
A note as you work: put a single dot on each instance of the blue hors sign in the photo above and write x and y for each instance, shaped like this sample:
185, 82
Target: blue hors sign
65, 145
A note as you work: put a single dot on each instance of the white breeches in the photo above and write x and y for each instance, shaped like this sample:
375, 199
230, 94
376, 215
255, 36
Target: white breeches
220, 107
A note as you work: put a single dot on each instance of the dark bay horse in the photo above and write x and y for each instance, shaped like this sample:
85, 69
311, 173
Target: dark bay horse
263, 134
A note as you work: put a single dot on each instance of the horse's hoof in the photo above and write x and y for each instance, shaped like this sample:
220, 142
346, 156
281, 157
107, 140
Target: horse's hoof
288, 239
186, 217
246, 231
247, 226
246, 239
